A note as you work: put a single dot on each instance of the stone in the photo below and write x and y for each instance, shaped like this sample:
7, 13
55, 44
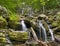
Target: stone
55, 24
45, 25
58, 12
18, 35
3, 22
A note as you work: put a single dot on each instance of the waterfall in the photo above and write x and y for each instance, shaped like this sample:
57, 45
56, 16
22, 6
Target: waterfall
43, 31
30, 12
24, 28
51, 32
22, 11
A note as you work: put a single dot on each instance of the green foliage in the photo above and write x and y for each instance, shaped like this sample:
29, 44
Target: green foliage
12, 5
42, 2
14, 17
13, 21
9, 4
55, 22
51, 4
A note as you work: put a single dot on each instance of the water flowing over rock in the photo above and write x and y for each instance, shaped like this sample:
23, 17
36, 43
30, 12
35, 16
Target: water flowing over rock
52, 36
24, 28
51, 32
43, 31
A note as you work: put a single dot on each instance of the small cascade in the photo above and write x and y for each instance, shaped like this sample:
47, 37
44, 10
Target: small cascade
24, 28
30, 12
51, 32
22, 11
43, 31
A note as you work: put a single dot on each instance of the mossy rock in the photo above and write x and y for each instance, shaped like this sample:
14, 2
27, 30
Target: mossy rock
3, 40
2, 35
13, 21
4, 44
45, 25
18, 36
28, 23
34, 25
58, 29
55, 24
3, 22
50, 18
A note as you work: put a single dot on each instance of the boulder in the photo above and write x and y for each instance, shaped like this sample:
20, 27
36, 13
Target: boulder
58, 12
55, 24
18, 35
3, 22
51, 18
3, 39
45, 25
42, 16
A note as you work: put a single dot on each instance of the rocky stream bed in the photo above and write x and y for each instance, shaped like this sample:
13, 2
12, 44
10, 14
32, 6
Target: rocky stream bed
22, 30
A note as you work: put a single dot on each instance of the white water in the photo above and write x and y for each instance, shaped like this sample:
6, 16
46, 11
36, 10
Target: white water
30, 12
51, 32
24, 28
43, 30
22, 11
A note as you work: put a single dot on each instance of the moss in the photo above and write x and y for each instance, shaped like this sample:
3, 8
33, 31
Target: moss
14, 17
51, 18
58, 29
45, 25
55, 24
13, 21
2, 39
18, 36
3, 22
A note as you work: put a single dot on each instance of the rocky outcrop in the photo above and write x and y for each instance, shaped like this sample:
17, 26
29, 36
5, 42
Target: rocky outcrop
45, 25
18, 35
3, 23
4, 41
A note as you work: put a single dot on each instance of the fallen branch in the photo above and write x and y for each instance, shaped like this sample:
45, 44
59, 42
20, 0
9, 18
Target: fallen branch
34, 34
41, 43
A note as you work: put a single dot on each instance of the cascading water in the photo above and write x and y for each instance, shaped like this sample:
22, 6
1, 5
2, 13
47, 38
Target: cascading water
30, 12
22, 11
51, 32
24, 28
43, 31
